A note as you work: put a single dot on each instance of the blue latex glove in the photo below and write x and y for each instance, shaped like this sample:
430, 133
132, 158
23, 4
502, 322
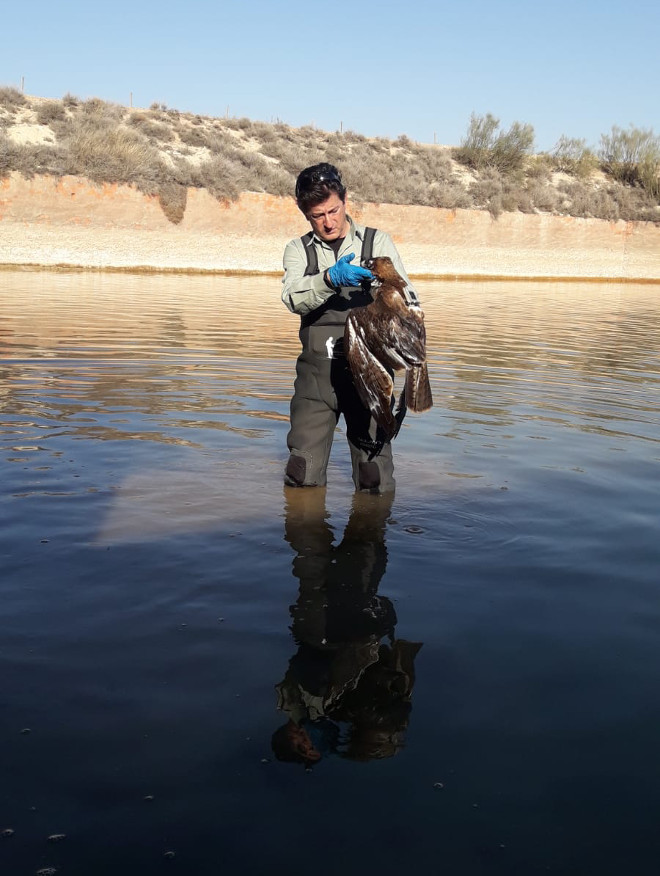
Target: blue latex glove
344, 274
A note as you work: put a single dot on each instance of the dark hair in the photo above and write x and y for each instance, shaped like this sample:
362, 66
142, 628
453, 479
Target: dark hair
315, 183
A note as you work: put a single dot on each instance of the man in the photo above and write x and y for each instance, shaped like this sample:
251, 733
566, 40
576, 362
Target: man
322, 282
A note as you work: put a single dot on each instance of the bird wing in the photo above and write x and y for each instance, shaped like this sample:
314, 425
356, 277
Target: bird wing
372, 380
411, 336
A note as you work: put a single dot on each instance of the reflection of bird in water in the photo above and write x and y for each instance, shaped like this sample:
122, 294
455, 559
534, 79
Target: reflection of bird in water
345, 690
388, 335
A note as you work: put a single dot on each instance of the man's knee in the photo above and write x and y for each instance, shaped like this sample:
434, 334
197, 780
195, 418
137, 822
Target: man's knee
296, 469
375, 477
303, 470
368, 476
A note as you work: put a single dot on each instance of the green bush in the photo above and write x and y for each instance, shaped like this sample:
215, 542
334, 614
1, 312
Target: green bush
572, 155
648, 172
623, 152
486, 146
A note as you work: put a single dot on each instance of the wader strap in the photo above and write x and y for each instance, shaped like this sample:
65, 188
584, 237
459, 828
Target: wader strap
368, 244
313, 264
312, 257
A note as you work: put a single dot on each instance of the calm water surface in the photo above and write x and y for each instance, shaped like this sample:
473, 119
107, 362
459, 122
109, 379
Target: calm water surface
477, 661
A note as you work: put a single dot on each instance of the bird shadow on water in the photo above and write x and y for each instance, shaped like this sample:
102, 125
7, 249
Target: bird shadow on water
348, 687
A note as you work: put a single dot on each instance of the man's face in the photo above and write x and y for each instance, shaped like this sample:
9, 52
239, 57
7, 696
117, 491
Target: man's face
328, 219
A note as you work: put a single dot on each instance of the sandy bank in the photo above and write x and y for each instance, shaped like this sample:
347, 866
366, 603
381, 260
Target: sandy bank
71, 222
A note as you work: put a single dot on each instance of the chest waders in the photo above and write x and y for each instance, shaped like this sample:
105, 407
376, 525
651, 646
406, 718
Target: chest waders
324, 389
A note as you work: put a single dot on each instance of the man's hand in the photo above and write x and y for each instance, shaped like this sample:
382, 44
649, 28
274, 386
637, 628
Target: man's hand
345, 274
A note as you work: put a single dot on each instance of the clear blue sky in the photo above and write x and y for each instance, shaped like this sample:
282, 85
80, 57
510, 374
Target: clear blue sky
573, 67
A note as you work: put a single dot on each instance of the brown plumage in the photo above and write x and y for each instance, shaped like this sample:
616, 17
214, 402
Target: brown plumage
388, 335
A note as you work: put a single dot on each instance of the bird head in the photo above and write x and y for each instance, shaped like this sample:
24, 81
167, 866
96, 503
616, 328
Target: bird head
384, 271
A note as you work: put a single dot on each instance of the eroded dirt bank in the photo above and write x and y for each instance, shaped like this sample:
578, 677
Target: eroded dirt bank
71, 222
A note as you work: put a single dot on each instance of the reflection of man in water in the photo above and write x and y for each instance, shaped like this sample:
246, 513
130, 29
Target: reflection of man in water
345, 690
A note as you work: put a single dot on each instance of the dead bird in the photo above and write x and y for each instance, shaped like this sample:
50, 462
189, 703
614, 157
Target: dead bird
385, 336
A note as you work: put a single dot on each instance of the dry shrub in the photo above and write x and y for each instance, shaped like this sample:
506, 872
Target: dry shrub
279, 181
241, 124
51, 111
221, 177
634, 203
158, 131
540, 168
109, 143
450, 195
486, 188
28, 159
11, 98
101, 111
193, 137
586, 202
173, 199
6, 158
113, 154
543, 197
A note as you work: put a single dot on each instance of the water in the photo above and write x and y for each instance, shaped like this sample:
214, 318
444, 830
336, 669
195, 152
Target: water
478, 660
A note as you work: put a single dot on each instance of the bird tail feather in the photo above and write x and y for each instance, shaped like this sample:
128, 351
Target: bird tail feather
418, 389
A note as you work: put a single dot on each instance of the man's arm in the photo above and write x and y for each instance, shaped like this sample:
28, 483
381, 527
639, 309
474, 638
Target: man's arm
302, 293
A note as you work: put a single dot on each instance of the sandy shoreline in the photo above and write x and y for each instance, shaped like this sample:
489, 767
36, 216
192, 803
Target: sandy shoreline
70, 223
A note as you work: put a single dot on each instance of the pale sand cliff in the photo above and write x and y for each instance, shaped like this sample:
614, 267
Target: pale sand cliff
70, 222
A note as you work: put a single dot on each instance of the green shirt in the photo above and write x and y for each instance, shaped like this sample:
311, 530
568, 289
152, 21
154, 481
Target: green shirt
302, 293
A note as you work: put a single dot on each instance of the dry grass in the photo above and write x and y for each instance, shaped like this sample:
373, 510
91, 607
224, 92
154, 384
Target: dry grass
11, 98
165, 152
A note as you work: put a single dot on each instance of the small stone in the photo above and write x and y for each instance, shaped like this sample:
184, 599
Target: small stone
56, 837
148, 797
47, 871
265, 760
25, 731
438, 785
6, 833
169, 855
